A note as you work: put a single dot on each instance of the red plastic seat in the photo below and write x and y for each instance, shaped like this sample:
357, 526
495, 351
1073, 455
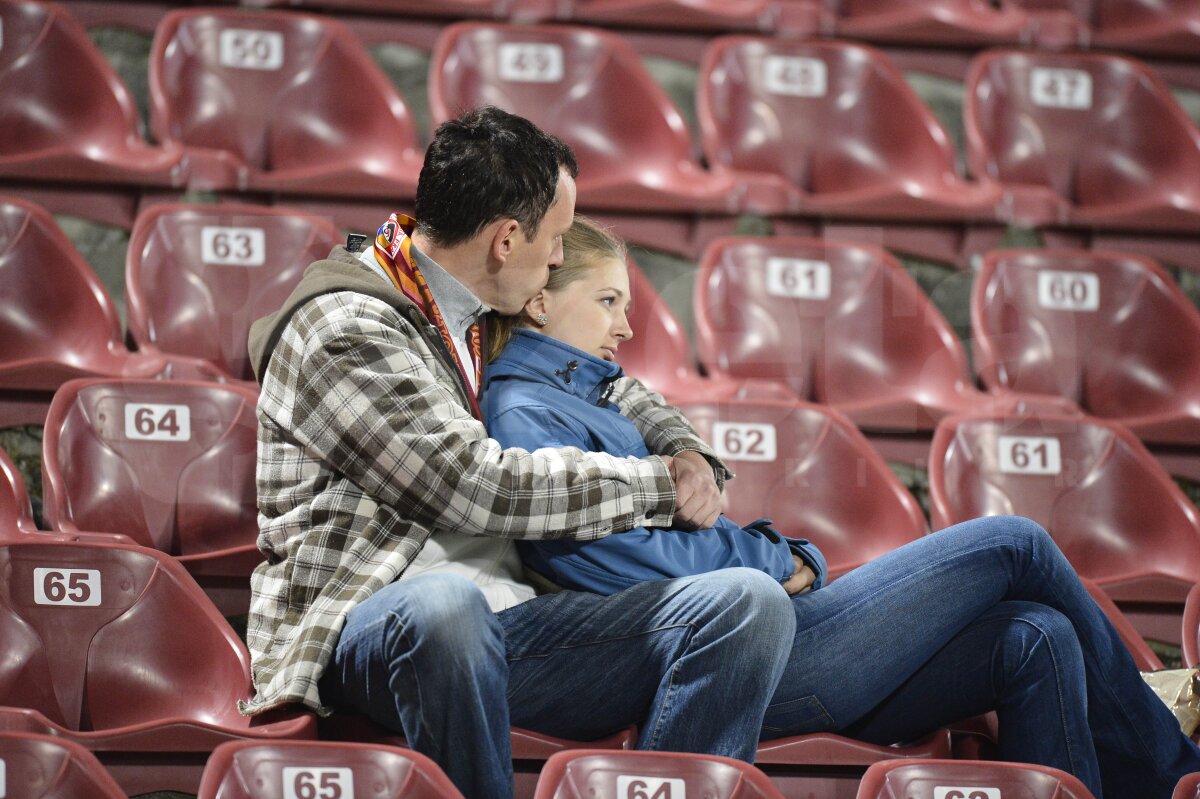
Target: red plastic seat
660, 352
836, 126
1110, 331
590, 773
81, 126
283, 102
840, 324
1191, 628
589, 88
198, 276
963, 23
1084, 139
1153, 27
442, 8
116, 648
168, 463
1143, 656
256, 770
1114, 512
42, 767
793, 17
899, 779
530, 749
57, 321
16, 511
810, 470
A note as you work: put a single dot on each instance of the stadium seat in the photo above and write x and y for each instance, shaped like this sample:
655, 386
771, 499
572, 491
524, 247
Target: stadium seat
1143, 655
168, 463
953, 23
1110, 331
16, 511
1191, 628
589, 88
900, 779
1160, 28
808, 468
321, 770
1114, 512
57, 321
43, 767
76, 126
1188, 787
1083, 139
793, 17
197, 276
115, 648
660, 352
597, 774
840, 324
442, 8
836, 125
530, 749
280, 102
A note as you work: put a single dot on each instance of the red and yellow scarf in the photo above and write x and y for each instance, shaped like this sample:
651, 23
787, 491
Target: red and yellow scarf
393, 252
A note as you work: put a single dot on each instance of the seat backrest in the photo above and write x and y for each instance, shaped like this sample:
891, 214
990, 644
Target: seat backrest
835, 322
39, 109
828, 116
169, 463
600, 774
968, 779
43, 767
16, 510
197, 276
810, 470
660, 351
1111, 331
584, 85
286, 769
278, 90
1108, 504
54, 308
99, 637
1096, 129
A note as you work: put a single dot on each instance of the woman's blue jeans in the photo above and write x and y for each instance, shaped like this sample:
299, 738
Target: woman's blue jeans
986, 615
692, 662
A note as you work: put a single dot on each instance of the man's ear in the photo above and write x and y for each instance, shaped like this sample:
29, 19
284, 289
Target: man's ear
504, 238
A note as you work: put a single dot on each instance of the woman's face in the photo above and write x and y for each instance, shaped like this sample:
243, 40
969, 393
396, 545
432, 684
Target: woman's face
590, 313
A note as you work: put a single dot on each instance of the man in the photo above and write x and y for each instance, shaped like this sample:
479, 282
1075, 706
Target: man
391, 587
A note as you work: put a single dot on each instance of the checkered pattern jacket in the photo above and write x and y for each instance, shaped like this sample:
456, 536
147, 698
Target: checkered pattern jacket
366, 446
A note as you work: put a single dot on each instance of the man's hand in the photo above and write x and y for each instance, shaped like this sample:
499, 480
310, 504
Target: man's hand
697, 497
802, 580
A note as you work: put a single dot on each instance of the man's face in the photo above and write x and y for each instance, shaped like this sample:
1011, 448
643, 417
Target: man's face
528, 265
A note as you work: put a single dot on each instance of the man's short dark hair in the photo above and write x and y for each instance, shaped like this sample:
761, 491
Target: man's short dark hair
486, 165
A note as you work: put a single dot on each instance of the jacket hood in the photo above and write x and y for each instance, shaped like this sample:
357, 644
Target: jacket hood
341, 271
530, 355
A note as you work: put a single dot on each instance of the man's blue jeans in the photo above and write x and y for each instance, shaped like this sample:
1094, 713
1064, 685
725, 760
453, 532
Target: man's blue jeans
986, 615
693, 662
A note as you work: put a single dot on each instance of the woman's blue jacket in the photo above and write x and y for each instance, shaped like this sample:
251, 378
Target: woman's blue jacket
541, 392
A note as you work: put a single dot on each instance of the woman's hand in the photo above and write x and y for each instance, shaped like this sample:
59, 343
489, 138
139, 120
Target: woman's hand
697, 497
802, 580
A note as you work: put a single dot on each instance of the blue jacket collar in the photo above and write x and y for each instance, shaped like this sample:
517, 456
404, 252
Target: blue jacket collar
529, 355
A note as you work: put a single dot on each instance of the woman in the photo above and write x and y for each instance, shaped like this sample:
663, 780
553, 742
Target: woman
986, 615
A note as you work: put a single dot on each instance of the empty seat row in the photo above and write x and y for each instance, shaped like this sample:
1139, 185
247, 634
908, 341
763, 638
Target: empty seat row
837, 323
247, 101
1141, 26
40, 767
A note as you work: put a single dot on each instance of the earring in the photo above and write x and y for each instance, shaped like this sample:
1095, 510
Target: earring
541, 319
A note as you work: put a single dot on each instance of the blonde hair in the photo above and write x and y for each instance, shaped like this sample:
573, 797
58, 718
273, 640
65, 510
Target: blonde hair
585, 245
